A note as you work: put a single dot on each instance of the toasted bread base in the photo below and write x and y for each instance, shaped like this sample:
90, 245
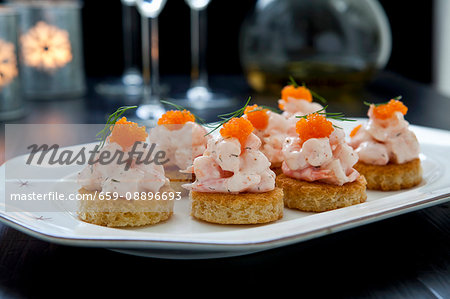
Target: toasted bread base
122, 212
242, 208
391, 177
320, 197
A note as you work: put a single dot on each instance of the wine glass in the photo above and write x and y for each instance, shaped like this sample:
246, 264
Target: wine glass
131, 82
199, 95
151, 108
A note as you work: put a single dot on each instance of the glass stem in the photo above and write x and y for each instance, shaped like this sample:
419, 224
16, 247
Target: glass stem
199, 75
127, 27
155, 59
145, 54
150, 59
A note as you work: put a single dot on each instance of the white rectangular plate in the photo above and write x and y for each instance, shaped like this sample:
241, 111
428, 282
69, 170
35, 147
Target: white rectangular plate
183, 237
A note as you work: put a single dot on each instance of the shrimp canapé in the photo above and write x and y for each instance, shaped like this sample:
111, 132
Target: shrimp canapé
319, 153
233, 163
386, 137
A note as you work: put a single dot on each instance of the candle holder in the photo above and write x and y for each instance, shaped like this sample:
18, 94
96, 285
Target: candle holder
51, 49
11, 105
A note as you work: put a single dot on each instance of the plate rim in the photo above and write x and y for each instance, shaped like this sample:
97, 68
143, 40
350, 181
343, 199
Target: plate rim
285, 240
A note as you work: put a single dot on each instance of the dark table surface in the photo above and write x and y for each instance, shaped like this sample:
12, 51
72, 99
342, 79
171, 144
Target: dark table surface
407, 256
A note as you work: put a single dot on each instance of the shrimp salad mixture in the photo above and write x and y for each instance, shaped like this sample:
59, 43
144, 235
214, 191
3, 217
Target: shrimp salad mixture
239, 159
119, 177
296, 101
385, 137
271, 129
179, 137
319, 153
232, 162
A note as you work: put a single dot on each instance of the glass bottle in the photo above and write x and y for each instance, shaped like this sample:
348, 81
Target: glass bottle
324, 43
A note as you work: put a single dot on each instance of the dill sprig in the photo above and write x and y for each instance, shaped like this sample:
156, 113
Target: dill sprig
397, 98
331, 115
181, 108
293, 82
317, 96
226, 117
111, 121
313, 93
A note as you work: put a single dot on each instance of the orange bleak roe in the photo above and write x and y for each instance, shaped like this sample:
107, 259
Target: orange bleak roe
299, 92
176, 117
239, 128
126, 133
258, 118
355, 130
386, 111
314, 126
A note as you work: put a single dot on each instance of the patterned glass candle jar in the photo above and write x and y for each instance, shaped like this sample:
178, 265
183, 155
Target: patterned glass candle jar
51, 53
11, 104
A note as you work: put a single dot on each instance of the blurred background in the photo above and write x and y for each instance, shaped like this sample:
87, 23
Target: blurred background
348, 50
412, 37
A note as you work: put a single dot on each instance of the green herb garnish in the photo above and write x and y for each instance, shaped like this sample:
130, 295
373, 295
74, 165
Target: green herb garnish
397, 98
318, 97
224, 118
331, 115
313, 93
112, 119
293, 82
